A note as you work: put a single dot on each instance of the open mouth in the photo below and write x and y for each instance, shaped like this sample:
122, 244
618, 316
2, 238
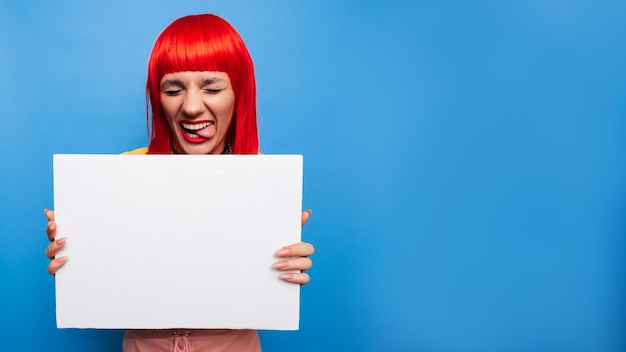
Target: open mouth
197, 131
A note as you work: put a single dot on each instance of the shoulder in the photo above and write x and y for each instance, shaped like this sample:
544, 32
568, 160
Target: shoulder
138, 151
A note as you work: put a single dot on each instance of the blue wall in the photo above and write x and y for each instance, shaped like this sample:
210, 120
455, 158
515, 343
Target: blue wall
465, 161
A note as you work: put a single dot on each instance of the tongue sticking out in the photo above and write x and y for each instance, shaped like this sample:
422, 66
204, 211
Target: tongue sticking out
207, 132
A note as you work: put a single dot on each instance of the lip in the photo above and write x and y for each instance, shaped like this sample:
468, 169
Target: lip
186, 136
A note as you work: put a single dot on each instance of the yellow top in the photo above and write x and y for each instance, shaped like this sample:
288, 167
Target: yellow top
138, 151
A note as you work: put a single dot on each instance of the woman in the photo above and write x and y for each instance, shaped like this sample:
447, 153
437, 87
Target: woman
202, 94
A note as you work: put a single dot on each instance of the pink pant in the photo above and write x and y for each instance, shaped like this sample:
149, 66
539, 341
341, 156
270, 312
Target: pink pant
181, 340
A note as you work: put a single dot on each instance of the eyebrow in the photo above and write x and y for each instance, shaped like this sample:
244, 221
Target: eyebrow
171, 82
212, 80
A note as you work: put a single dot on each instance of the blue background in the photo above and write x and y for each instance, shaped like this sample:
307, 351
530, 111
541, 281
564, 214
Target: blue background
465, 161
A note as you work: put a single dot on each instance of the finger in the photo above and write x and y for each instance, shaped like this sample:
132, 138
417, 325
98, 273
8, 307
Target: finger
296, 278
300, 249
55, 264
54, 248
51, 230
302, 263
49, 214
305, 216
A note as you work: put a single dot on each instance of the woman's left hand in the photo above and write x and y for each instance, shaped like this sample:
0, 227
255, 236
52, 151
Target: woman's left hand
296, 257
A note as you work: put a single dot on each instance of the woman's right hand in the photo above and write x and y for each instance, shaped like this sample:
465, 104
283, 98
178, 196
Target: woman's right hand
55, 245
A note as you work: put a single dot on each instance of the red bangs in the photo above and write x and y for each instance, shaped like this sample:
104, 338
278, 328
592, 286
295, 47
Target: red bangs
194, 46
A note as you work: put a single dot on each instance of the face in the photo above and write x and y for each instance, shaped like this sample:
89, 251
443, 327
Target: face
199, 109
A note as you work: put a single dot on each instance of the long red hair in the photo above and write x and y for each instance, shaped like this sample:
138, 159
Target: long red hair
203, 43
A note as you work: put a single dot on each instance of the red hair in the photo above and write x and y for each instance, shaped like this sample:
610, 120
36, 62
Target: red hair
203, 43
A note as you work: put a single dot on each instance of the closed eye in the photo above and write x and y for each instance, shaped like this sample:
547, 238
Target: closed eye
172, 87
172, 92
214, 90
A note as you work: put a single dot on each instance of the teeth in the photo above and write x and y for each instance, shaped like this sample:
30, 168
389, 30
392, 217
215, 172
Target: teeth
196, 126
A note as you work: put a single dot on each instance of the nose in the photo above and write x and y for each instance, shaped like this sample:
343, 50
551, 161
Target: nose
192, 104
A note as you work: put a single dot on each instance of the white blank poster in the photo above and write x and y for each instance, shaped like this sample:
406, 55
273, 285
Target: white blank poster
176, 241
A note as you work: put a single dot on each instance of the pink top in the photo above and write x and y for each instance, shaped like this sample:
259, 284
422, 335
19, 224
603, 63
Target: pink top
182, 340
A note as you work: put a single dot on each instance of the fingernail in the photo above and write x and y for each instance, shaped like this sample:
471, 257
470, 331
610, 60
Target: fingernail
283, 252
61, 241
280, 265
61, 259
286, 277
